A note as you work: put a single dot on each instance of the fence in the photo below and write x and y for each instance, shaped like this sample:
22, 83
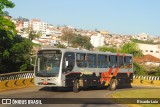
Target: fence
146, 77
16, 80
16, 75
30, 74
25, 79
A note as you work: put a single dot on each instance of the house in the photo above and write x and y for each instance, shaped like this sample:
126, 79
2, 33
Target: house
148, 60
150, 49
97, 40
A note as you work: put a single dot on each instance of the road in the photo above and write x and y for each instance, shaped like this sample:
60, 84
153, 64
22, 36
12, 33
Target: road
46, 92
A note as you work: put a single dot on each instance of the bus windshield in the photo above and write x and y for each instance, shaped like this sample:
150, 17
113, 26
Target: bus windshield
48, 63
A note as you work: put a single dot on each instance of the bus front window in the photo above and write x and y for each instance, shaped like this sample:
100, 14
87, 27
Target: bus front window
48, 63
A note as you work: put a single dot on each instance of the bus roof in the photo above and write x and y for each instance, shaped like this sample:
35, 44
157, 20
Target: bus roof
85, 51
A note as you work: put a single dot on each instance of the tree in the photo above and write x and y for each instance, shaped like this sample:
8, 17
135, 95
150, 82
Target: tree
82, 42
138, 69
6, 13
7, 31
131, 48
21, 19
32, 35
5, 4
67, 35
60, 46
88, 46
20, 53
14, 50
107, 49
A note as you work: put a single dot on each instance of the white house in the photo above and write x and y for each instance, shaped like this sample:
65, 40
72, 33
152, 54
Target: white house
97, 40
153, 50
142, 36
26, 24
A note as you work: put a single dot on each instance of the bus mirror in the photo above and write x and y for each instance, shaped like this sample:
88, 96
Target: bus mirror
32, 60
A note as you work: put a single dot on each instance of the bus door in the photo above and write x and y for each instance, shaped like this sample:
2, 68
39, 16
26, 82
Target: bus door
68, 62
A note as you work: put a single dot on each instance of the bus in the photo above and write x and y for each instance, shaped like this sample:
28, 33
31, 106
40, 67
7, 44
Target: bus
79, 69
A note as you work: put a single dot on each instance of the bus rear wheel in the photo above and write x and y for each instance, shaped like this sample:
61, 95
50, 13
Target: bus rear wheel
76, 86
113, 84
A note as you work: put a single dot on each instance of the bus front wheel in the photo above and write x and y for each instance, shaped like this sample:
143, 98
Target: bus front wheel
76, 86
113, 84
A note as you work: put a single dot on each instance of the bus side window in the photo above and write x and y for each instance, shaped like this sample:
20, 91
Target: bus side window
127, 62
102, 61
68, 61
113, 61
81, 59
121, 62
92, 60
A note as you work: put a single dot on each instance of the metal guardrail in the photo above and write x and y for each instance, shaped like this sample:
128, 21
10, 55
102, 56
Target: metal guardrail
30, 74
146, 77
16, 75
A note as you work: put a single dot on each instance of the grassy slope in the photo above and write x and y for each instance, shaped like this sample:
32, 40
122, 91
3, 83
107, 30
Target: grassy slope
140, 93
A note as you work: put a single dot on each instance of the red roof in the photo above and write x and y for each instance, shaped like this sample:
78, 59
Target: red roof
147, 58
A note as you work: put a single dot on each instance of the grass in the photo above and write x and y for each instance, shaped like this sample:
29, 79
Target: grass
139, 93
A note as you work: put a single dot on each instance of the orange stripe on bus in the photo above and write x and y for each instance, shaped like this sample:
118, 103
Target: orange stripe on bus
115, 72
105, 75
110, 71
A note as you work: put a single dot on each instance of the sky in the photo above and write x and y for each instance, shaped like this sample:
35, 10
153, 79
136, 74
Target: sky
115, 16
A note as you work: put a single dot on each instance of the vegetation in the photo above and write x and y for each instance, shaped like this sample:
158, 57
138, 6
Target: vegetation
131, 48
152, 70
76, 41
14, 50
81, 42
139, 93
67, 35
60, 46
107, 49
21, 19
138, 69
32, 35
144, 42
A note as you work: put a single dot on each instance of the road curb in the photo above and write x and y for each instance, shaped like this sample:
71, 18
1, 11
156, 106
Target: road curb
144, 82
15, 84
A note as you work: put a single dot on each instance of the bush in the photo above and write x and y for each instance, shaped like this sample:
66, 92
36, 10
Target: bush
138, 69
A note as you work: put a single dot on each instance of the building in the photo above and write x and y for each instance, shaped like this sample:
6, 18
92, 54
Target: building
53, 31
153, 50
148, 60
142, 36
97, 40
19, 26
43, 28
36, 26
26, 24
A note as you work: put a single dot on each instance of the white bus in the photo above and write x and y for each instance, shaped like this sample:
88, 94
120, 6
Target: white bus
78, 69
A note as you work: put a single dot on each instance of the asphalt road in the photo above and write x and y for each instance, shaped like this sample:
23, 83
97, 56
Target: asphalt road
46, 92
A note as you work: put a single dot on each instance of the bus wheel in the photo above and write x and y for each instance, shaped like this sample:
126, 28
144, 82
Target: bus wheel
54, 88
112, 85
76, 86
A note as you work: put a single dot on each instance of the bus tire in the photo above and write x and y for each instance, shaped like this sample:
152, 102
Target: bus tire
112, 85
54, 89
76, 86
